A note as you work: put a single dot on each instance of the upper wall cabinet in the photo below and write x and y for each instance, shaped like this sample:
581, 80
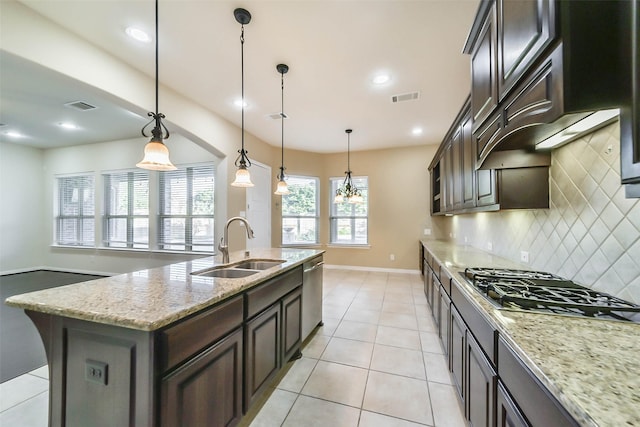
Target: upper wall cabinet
539, 66
630, 113
526, 28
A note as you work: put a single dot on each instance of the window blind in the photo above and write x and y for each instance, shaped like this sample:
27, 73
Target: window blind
75, 219
126, 209
186, 209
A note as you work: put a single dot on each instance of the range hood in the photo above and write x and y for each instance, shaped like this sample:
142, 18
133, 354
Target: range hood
584, 126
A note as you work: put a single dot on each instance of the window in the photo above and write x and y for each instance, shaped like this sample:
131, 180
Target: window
126, 209
349, 221
186, 209
300, 213
75, 219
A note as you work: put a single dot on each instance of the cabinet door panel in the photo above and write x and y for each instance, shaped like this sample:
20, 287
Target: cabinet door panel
262, 359
292, 323
508, 414
525, 30
208, 390
445, 321
484, 91
458, 336
481, 386
468, 165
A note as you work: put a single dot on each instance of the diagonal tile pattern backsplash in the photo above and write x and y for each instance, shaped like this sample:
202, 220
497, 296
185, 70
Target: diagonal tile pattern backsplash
590, 233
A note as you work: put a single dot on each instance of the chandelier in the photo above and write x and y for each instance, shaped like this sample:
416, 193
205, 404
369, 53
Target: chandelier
348, 192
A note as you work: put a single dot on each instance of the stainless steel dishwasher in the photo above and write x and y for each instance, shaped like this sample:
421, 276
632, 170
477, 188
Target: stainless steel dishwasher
311, 295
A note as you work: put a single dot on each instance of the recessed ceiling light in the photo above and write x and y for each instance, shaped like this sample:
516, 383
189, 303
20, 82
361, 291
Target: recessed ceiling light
381, 79
138, 34
14, 134
416, 131
238, 103
68, 125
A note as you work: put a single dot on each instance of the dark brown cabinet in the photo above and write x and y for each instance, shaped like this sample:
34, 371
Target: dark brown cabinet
208, 389
484, 89
525, 29
528, 69
481, 386
445, 321
630, 113
292, 324
263, 353
457, 352
507, 413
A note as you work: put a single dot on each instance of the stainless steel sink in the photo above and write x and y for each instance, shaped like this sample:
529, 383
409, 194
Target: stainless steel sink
227, 273
239, 270
261, 264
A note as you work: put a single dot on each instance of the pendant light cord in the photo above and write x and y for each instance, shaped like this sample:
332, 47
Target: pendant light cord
242, 78
157, 57
282, 124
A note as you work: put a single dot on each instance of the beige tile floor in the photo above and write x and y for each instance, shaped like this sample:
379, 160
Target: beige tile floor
376, 362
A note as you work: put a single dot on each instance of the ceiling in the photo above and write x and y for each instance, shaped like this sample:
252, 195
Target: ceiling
333, 49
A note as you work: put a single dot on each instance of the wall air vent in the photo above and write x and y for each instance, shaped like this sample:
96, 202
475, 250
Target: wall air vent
405, 97
277, 116
80, 105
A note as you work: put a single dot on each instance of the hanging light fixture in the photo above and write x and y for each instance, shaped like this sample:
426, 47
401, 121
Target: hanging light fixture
243, 178
348, 192
156, 154
282, 184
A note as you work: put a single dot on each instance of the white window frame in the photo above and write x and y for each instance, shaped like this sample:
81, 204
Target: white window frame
291, 179
334, 183
132, 176
81, 216
189, 216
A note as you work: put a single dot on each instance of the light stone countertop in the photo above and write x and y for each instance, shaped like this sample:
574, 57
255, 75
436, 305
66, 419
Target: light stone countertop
150, 299
592, 366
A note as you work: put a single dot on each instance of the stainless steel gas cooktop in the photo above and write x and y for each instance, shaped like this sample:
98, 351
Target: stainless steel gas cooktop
546, 292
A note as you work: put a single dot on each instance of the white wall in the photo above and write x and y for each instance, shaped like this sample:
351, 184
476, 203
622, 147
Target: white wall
21, 207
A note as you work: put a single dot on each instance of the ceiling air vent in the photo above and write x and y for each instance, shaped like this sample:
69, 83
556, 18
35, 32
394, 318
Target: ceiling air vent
405, 97
80, 105
277, 116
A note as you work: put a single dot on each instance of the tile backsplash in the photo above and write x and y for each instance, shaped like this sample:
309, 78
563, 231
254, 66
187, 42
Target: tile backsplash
590, 233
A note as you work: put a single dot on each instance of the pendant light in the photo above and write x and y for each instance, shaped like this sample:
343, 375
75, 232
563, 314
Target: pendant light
243, 178
156, 154
282, 184
348, 192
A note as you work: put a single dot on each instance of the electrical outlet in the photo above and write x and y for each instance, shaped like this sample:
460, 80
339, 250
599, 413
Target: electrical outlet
427, 232
489, 246
392, 257
466, 239
524, 256
96, 372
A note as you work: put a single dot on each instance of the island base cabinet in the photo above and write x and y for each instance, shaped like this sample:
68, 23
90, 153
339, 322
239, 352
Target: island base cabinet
262, 357
292, 324
207, 391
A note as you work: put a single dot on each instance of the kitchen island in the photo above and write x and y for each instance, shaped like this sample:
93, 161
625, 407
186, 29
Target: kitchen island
587, 369
165, 347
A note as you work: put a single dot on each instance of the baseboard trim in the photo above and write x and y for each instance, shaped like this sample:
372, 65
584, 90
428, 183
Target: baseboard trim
376, 269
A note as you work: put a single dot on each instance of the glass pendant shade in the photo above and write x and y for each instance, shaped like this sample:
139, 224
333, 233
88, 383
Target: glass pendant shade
338, 198
243, 178
282, 189
156, 157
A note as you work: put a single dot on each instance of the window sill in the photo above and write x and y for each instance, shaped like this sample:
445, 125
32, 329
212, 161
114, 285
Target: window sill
301, 245
348, 246
134, 250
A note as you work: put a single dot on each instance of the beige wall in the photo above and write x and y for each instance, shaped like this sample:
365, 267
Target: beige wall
398, 209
